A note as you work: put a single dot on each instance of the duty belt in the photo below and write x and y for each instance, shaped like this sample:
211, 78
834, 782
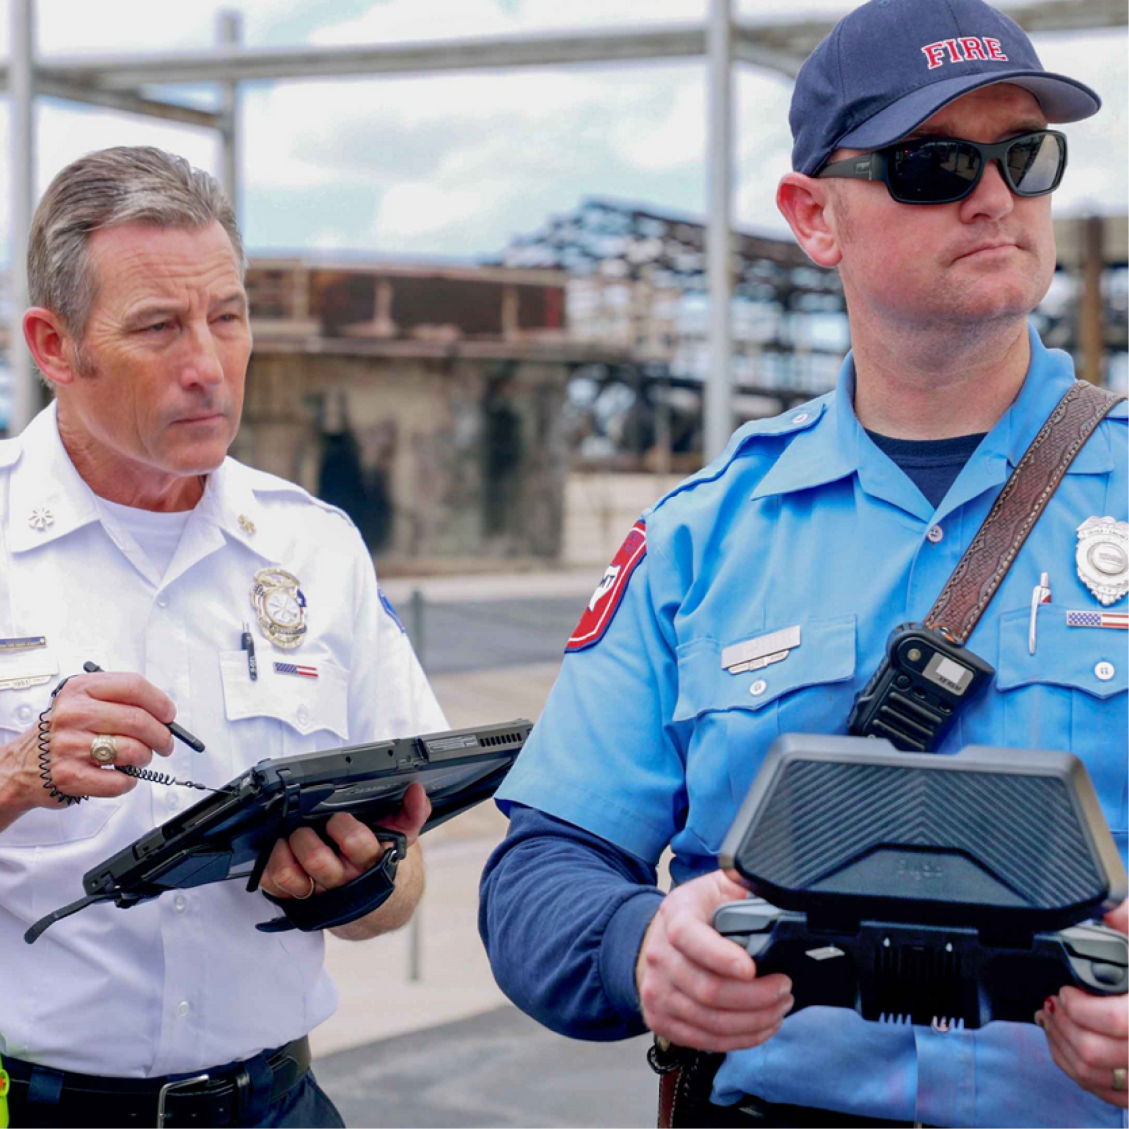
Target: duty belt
237, 1094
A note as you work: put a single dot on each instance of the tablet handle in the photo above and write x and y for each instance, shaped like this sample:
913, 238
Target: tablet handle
366, 892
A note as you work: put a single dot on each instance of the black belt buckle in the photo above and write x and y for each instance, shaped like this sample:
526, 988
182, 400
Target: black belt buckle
175, 1087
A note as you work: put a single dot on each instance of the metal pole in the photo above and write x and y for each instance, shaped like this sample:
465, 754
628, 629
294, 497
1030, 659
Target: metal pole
229, 33
415, 959
718, 408
1091, 335
27, 396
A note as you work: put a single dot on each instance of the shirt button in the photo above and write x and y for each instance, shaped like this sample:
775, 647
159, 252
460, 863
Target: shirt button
182, 1009
1104, 671
180, 903
935, 534
174, 801
162, 601
801, 417
24, 712
303, 715
758, 688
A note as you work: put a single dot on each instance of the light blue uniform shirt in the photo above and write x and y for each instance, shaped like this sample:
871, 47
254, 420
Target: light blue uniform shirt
647, 741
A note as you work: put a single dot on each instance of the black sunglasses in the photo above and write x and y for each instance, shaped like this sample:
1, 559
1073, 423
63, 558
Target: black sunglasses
941, 170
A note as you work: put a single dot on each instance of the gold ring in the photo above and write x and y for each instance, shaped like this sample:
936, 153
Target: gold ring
1118, 1078
309, 893
103, 749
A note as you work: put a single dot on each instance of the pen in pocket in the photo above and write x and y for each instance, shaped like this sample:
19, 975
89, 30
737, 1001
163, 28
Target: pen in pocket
248, 645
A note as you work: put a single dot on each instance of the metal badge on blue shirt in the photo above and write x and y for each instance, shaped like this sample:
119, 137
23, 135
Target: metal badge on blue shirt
755, 654
1102, 557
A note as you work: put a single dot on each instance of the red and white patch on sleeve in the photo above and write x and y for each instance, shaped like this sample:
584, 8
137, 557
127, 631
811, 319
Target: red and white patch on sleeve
609, 592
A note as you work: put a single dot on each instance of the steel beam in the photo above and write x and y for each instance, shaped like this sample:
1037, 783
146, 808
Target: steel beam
251, 64
229, 32
747, 48
757, 41
128, 102
26, 394
718, 407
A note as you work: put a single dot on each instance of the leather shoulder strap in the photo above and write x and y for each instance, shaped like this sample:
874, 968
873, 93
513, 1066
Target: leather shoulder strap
1021, 502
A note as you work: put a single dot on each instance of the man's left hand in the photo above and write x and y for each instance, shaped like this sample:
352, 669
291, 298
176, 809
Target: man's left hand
1089, 1035
305, 864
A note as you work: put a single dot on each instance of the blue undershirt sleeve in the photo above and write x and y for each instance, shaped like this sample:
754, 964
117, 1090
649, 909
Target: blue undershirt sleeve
562, 916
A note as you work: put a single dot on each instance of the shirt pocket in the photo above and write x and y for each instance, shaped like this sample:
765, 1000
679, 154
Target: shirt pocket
281, 715
1058, 699
810, 691
60, 823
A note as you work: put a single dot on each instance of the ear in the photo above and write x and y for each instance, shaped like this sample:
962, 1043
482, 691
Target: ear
806, 204
51, 345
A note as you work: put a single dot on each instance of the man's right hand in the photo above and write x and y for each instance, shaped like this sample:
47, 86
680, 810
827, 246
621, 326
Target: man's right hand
699, 989
125, 706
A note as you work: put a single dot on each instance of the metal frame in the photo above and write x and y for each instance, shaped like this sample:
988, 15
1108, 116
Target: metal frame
116, 81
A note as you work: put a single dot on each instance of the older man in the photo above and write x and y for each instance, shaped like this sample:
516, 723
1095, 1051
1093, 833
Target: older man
922, 171
128, 539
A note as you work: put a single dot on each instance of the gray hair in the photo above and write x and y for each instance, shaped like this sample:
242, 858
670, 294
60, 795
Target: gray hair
107, 188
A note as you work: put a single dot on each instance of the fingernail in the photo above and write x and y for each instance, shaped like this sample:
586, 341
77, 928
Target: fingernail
1039, 1017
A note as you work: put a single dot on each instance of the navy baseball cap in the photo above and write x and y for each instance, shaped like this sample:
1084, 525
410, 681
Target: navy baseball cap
890, 64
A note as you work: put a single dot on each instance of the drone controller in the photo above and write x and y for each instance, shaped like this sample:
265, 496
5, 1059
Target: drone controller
924, 974
923, 888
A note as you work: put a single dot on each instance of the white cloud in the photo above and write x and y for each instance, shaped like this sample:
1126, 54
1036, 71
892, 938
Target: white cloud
467, 19
423, 208
667, 140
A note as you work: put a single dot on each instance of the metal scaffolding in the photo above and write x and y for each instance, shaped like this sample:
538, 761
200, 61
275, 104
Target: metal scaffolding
119, 82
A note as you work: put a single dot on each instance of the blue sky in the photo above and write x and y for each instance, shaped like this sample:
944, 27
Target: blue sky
454, 165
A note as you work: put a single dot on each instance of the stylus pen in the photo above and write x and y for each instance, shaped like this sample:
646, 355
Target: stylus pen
248, 644
171, 726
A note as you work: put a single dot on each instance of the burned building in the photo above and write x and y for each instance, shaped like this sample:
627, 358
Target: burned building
425, 401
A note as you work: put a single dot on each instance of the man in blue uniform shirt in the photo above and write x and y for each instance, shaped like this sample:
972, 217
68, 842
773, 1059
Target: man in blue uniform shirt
845, 518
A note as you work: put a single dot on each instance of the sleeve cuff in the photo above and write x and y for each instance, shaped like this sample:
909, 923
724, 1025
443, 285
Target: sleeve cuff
619, 950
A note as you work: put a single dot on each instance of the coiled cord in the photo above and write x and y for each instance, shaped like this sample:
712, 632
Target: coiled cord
43, 740
163, 778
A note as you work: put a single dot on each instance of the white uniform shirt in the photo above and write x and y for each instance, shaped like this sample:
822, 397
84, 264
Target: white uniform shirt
185, 981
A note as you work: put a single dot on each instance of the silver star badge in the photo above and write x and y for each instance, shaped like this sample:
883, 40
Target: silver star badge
40, 518
1102, 557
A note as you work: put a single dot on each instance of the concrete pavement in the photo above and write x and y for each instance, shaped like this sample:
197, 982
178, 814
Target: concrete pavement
495, 1069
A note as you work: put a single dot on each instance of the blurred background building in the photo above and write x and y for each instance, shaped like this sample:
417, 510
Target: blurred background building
520, 402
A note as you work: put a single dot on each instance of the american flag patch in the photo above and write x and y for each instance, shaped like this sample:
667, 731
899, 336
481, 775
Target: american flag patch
1098, 619
294, 668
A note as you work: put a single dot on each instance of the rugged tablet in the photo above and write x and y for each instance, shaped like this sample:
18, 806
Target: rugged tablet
230, 834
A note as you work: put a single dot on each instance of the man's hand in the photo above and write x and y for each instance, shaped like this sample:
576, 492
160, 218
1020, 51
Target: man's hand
306, 865
124, 706
699, 989
1089, 1035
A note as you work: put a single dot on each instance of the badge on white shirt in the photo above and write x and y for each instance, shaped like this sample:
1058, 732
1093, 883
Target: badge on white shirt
23, 663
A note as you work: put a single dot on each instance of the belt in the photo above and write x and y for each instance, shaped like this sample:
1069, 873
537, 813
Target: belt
235, 1094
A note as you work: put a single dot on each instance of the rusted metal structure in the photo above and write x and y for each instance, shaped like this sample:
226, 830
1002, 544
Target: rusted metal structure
426, 400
